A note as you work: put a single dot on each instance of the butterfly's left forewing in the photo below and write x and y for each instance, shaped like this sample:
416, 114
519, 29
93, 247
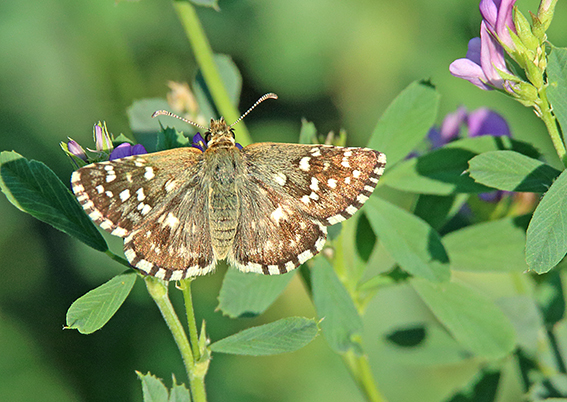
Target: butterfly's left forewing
292, 193
329, 183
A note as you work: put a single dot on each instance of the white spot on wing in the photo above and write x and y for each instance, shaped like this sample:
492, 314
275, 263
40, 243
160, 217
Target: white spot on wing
361, 198
356, 174
129, 254
314, 184
280, 178
278, 214
332, 183
124, 194
120, 232
170, 185
170, 221
335, 219
351, 209
307, 254
141, 195
149, 173
304, 163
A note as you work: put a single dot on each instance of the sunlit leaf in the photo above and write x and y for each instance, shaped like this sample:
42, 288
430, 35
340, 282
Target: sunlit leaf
473, 319
546, 243
415, 246
405, 122
248, 294
33, 188
93, 310
281, 336
341, 321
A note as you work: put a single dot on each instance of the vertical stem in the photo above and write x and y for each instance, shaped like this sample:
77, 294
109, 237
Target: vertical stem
204, 55
185, 286
158, 291
551, 125
362, 375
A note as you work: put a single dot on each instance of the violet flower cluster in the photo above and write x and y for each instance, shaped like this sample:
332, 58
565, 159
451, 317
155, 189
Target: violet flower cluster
104, 148
485, 62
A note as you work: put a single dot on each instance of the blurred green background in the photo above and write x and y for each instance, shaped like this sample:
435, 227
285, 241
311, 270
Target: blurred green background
66, 64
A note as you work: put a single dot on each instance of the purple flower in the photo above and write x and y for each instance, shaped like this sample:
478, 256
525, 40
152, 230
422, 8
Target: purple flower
498, 17
484, 121
125, 149
102, 138
449, 130
485, 55
76, 150
199, 142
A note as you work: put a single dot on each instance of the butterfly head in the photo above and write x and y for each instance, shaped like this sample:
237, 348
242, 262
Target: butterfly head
219, 134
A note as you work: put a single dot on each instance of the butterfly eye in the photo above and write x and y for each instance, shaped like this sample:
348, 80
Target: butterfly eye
207, 136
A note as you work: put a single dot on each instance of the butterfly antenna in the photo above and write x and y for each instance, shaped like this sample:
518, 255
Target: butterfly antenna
262, 99
166, 113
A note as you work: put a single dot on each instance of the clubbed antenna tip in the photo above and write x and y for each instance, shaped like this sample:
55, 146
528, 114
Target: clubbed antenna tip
270, 95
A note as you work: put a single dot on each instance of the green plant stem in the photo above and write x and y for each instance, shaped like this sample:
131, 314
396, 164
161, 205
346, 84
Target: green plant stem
362, 375
204, 56
159, 292
551, 125
185, 286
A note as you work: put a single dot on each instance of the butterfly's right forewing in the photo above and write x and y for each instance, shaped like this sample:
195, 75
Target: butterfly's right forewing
155, 202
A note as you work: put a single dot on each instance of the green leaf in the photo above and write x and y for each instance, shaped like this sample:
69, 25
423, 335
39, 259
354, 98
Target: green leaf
405, 122
473, 319
436, 210
512, 171
415, 246
282, 336
179, 393
140, 116
248, 294
231, 79
170, 138
93, 310
153, 388
308, 132
494, 246
557, 89
33, 188
341, 323
546, 243
444, 170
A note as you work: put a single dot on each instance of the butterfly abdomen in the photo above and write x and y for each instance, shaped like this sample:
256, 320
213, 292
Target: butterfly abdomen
224, 204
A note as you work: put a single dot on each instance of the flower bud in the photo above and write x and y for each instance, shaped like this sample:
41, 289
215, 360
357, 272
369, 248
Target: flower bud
524, 31
526, 93
543, 18
102, 138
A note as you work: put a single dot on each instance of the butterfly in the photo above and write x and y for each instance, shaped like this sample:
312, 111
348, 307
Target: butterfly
264, 208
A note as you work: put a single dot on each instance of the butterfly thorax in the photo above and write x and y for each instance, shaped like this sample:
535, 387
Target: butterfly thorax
223, 170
